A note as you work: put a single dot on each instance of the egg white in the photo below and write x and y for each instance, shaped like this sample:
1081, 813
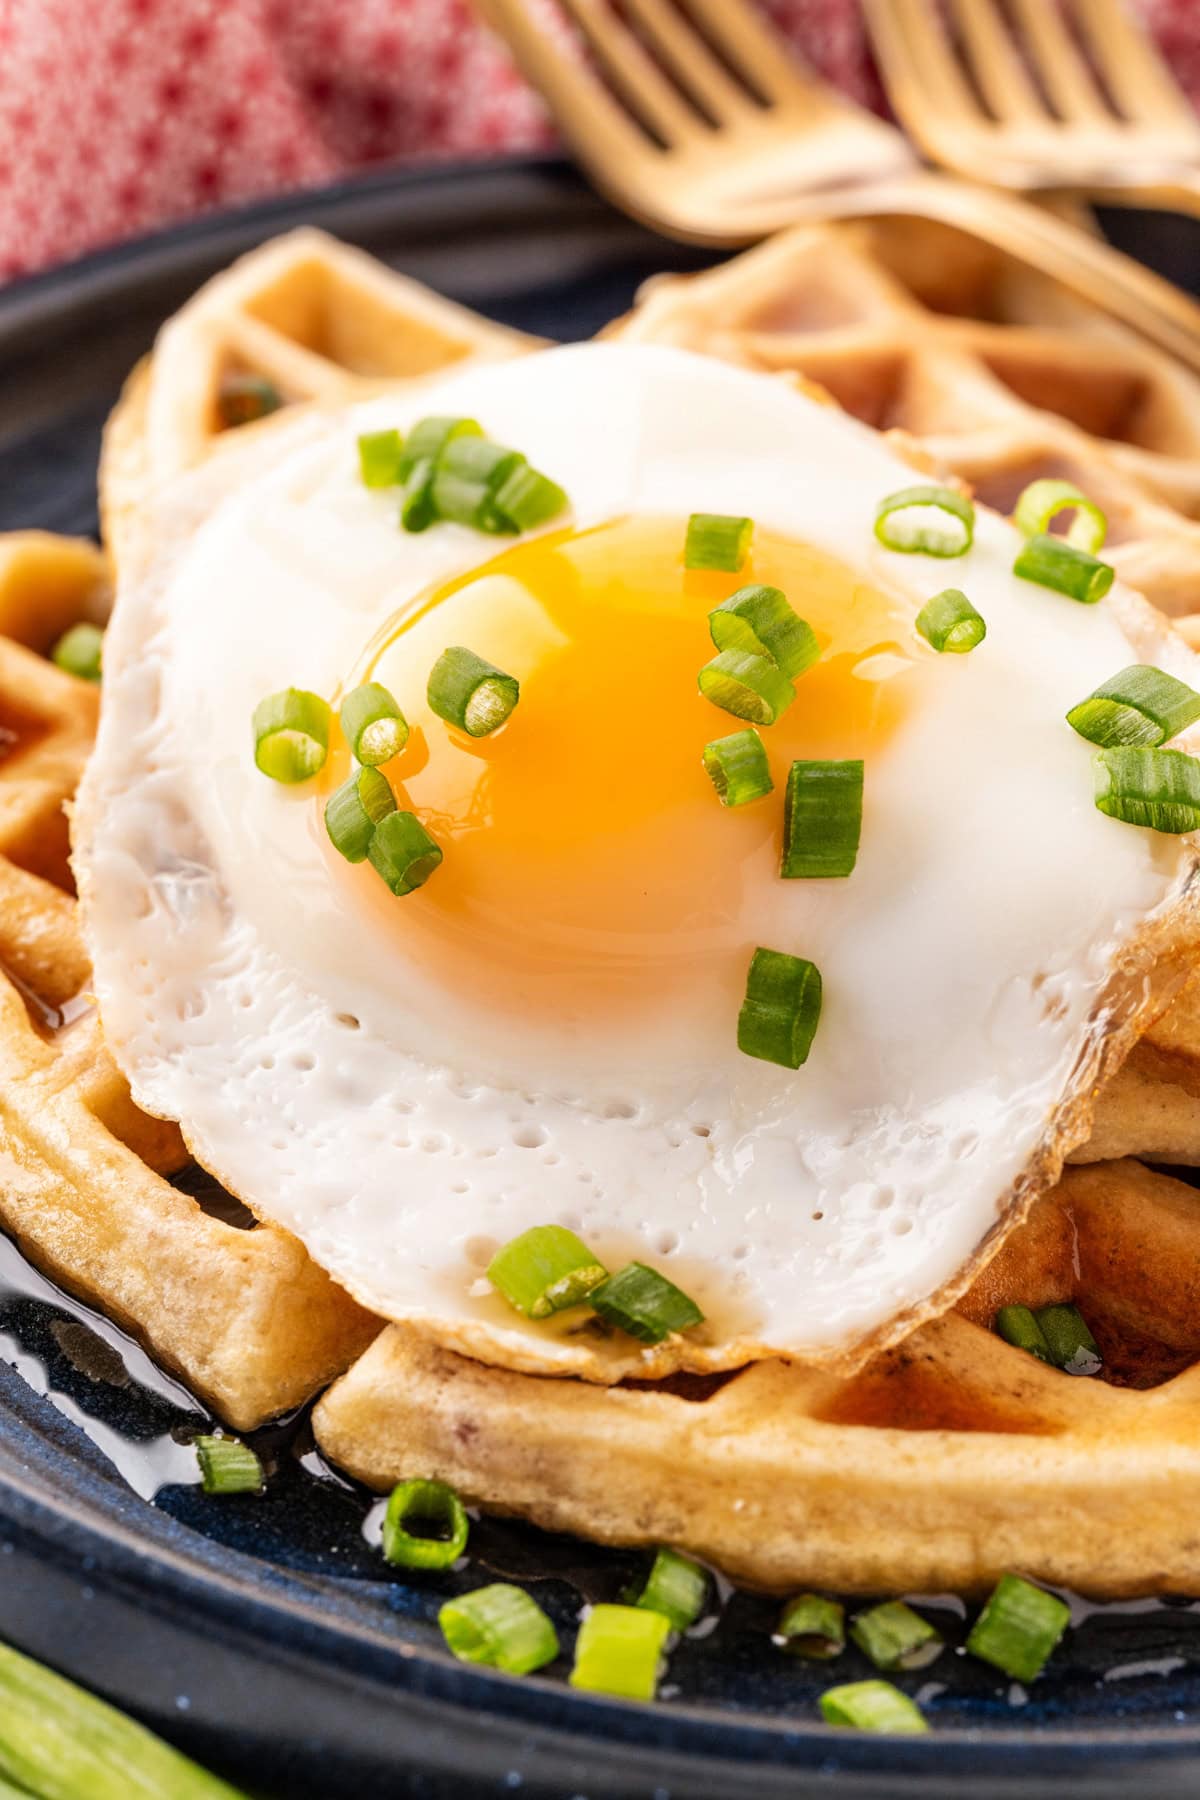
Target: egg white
402, 1132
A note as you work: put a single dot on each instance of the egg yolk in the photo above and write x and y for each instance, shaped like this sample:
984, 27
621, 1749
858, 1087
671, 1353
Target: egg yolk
589, 866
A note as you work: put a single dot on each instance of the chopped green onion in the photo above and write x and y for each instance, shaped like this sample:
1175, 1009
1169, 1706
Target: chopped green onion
645, 1304
750, 687
1054, 563
373, 725
619, 1650
822, 819
872, 1706
677, 1587
500, 1626
79, 651
896, 1637
241, 399
1141, 705
782, 1008
812, 1626
1018, 1628
545, 1269
528, 498
416, 508
1017, 1326
759, 621
950, 623
1072, 1346
1042, 501
379, 457
227, 1466
428, 1503
468, 474
291, 734
468, 692
717, 541
355, 809
429, 438
737, 767
936, 520
403, 853
61, 1743
1156, 788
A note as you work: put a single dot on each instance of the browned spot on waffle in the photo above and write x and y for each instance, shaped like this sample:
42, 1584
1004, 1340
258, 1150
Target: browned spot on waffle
907, 1389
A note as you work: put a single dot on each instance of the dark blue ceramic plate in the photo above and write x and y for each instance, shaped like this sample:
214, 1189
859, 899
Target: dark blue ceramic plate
265, 1635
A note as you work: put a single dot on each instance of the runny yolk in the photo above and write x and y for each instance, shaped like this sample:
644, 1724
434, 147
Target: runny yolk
589, 865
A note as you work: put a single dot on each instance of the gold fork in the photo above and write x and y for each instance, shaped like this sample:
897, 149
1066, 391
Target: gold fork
1034, 96
698, 119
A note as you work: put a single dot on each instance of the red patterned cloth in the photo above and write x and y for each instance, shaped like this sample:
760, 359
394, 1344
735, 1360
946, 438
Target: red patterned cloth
119, 115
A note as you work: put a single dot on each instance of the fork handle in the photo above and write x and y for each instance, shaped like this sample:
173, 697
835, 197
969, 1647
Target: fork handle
1087, 266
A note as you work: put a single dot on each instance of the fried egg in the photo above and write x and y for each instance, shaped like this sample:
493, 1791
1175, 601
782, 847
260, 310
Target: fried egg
546, 1031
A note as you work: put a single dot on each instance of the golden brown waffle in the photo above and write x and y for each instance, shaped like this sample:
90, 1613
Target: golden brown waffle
997, 373
249, 1322
947, 1460
320, 321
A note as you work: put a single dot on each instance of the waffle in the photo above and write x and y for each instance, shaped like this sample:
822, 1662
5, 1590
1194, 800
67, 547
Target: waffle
997, 373
243, 1316
952, 1455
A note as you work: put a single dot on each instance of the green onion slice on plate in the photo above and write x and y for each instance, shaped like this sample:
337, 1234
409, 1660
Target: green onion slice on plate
717, 541
737, 767
437, 1509
893, 1636
950, 623
782, 1008
545, 1269
227, 1466
748, 686
79, 651
1071, 1345
354, 810
645, 1304
1018, 1628
468, 474
872, 1706
470, 693
1141, 705
1042, 501
677, 1587
402, 852
373, 725
379, 457
500, 1626
1018, 1326
812, 1626
1054, 563
822, 819
938, 521
759, 621
1156, 788
620, 1650
291, 734
416, 508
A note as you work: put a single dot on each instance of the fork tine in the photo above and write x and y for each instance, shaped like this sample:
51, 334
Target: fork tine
923, 72
1059, 64
998, 70
634, 74
598, 122
1134, 73
689, 57
763, 59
